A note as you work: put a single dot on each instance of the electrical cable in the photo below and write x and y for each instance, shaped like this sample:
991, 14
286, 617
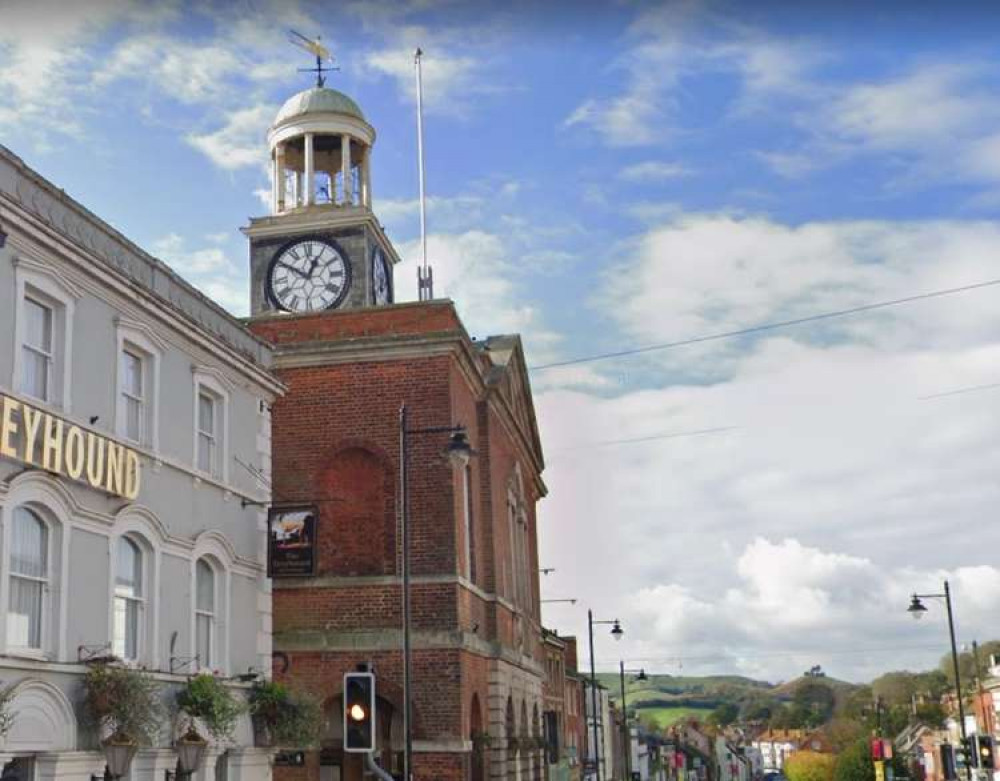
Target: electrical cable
766, 326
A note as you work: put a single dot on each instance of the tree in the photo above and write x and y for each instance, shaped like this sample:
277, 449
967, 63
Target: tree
724, 714
855, 763
844, 732
817, 700
809, 766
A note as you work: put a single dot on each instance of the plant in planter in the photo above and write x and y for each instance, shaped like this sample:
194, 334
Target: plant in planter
123, 702
283, 716
6, 714
481, 740
209, 700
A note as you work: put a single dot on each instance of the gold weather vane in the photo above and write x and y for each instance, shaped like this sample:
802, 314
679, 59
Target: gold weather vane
316, 49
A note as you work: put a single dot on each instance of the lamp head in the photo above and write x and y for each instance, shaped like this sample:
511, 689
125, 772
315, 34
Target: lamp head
617, 631
459, 450
190, 750
118, 756
916, 608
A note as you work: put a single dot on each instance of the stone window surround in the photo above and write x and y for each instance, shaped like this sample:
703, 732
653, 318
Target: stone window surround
141, 340
43, 493
217, 557
37, 280
143, 532
217, 385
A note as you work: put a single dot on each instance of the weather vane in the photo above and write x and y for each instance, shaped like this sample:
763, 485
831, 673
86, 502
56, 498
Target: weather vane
318, 50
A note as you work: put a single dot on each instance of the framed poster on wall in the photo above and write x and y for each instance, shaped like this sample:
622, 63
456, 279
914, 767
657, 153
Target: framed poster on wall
291, 541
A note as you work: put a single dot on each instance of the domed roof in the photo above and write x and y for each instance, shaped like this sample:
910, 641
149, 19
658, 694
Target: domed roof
318, 100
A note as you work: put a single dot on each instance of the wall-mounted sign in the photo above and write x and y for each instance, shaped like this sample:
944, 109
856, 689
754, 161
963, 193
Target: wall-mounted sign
291, 535
40, 439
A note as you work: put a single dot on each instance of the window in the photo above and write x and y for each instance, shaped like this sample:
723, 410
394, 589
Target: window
29, 570
133, 396
204, 614
37, 350
128, 615
208, 445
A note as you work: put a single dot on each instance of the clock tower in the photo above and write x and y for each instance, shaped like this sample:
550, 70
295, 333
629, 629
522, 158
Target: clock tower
321, 248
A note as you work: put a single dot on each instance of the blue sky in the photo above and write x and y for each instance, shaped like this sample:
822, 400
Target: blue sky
604, 176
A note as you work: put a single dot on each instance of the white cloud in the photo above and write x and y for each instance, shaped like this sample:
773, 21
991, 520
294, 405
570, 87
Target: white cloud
210, 269
827, 491
45, 60
240, 143
654, 171
474, 269
670, 43
701, 274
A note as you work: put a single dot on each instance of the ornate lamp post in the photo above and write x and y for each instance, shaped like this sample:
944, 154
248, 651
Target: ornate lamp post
460, 452
640, 675
917, 610
616, 633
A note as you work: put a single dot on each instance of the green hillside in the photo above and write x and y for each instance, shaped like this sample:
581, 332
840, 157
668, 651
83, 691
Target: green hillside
664, 699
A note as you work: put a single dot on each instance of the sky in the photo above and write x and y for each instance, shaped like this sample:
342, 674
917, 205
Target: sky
607, 177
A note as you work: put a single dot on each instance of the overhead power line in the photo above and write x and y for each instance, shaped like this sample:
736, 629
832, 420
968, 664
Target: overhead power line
956, 391
647, 438
817, 652
755, 329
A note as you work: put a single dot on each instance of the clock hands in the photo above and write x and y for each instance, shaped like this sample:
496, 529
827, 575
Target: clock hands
299, 274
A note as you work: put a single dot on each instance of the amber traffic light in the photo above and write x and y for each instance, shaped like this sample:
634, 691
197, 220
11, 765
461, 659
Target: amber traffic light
359, 712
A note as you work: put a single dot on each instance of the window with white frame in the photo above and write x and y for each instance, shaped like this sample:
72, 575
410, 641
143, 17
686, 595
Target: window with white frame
133, 395
29, 580
37, 349
204, 614
129, 602
208, 428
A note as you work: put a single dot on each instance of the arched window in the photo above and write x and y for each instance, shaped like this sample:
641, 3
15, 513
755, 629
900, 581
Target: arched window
204, 614
29, 580
129, 600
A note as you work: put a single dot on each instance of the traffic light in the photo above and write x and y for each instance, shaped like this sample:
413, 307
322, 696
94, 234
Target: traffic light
987, 760
359, 712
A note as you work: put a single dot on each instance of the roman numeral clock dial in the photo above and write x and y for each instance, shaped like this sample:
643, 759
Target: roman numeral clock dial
308, 275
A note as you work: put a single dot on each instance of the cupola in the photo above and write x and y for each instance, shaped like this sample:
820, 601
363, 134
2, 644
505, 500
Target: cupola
320, 145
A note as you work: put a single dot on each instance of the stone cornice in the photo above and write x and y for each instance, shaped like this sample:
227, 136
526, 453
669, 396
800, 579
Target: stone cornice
391, 639
63, 218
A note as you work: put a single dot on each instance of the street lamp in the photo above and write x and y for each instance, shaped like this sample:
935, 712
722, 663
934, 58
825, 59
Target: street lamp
118, 756
917, 610
627, 737
459, 451
616, 633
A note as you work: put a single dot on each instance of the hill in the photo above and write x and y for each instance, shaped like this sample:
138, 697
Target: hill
666, 699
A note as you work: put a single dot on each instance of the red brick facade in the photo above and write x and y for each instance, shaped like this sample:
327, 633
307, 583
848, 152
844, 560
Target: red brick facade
477, 663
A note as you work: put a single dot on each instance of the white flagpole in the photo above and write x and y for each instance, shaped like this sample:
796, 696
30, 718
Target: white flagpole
425, 284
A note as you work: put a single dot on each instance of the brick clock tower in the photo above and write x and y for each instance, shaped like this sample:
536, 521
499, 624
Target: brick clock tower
350, 356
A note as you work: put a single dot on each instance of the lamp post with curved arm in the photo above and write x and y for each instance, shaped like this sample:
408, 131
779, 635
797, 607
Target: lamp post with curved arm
616, 633
460, 452
917, 610
640, 675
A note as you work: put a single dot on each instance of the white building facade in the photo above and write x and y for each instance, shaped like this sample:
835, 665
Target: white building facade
134, 456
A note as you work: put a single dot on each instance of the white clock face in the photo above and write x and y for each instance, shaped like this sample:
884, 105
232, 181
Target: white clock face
381, 280
308, 276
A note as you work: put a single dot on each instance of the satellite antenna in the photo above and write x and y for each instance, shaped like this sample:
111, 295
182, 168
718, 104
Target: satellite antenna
316, 49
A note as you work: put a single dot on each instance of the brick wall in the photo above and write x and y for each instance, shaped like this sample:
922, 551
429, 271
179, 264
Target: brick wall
336, 440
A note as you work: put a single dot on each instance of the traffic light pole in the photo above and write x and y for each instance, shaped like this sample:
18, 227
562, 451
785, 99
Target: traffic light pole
374, 768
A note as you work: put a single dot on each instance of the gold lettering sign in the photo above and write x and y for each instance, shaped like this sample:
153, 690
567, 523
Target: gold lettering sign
35, 437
